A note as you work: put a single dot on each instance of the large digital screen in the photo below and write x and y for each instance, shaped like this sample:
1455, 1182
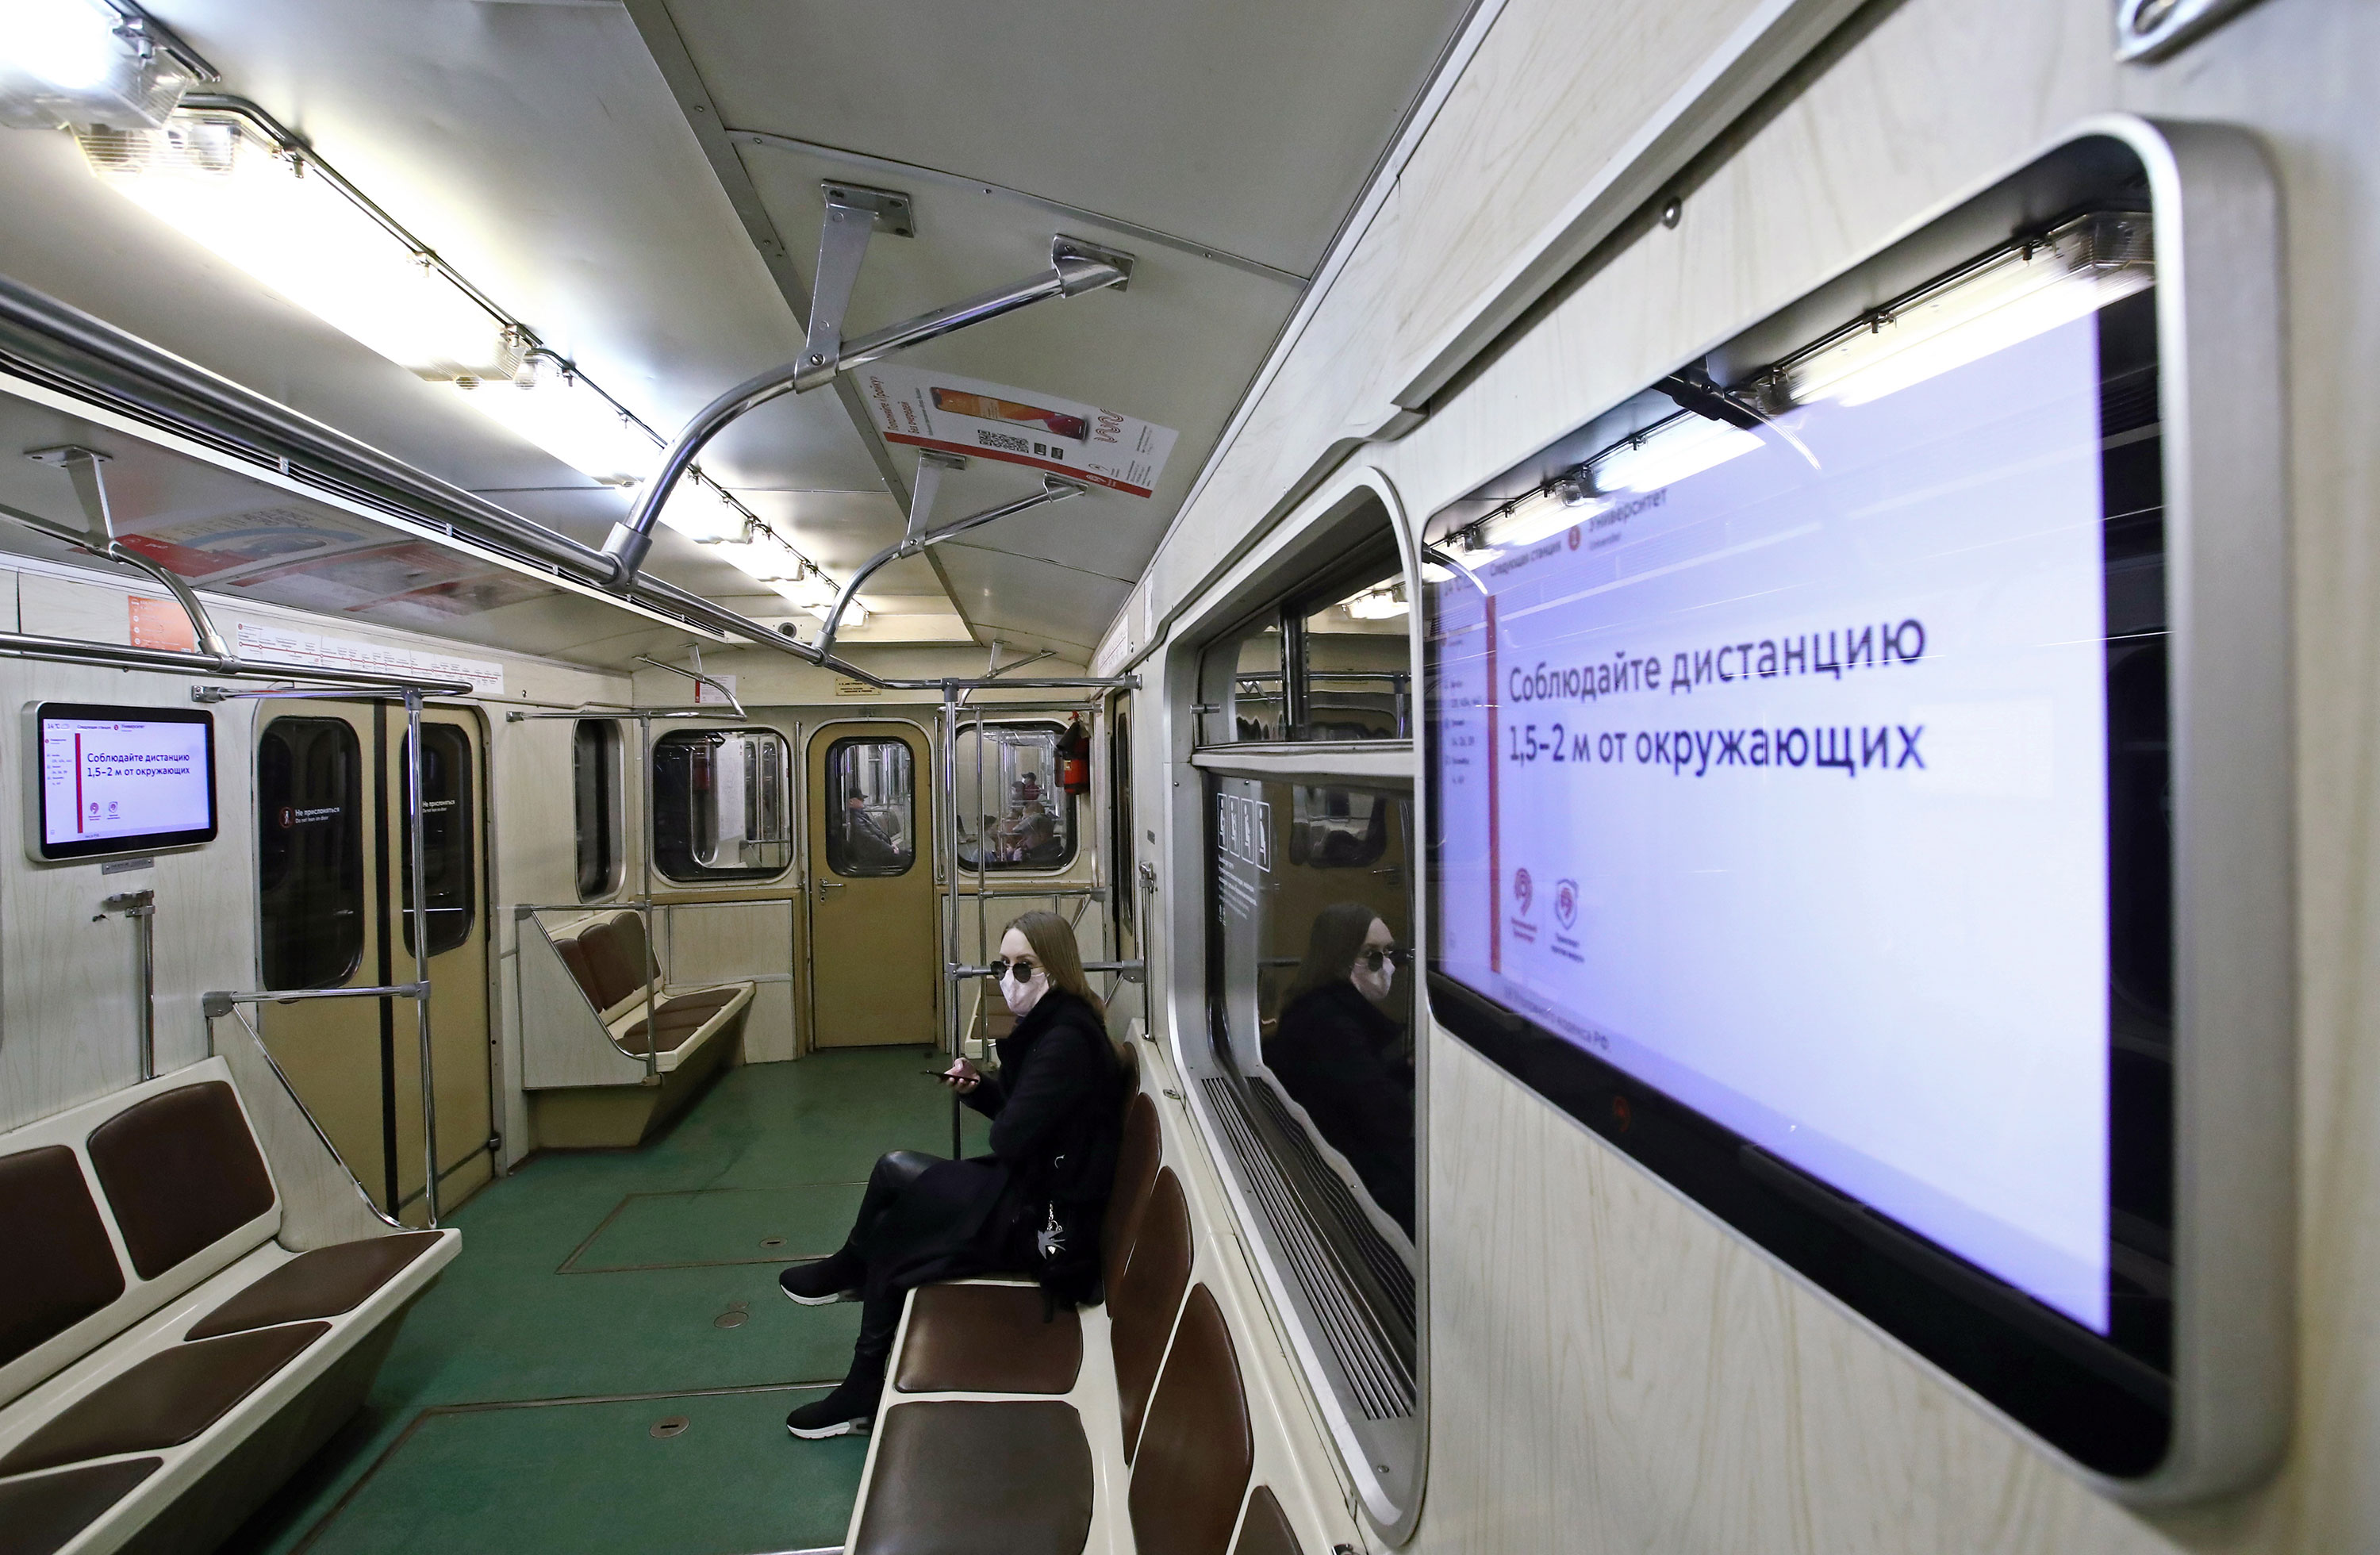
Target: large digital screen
122, 779
1775, 772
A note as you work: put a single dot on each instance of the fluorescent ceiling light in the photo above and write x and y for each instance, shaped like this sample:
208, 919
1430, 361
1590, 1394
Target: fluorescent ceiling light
1666, 454
79, 63
571, 421
2025, 290
1381, 603
214, 180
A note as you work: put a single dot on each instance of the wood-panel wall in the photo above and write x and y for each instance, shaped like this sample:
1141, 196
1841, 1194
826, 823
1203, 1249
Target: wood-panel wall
1611, 1369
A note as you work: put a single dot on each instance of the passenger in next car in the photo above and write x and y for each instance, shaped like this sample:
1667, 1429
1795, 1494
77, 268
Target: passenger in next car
1031, 1206
1337, 1053
863, 838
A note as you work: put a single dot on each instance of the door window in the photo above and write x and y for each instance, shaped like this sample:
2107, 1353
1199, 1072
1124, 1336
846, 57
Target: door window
595, 795
871, 808
449, 858
722, 805
1012, 813
310, 852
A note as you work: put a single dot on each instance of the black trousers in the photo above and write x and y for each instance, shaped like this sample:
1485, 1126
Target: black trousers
879, 1310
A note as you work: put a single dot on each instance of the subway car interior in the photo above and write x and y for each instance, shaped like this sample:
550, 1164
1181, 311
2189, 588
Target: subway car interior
1435, 775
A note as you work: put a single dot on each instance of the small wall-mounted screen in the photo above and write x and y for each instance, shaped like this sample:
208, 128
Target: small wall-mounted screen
123, 779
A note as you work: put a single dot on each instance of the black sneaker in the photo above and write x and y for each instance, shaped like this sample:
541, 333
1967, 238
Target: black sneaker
846, 1412
822, 1281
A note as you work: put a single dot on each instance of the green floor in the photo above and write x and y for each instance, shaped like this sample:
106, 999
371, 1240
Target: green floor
607, 1365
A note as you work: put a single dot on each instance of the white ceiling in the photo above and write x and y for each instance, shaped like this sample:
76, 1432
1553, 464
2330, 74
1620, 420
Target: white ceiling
538, 148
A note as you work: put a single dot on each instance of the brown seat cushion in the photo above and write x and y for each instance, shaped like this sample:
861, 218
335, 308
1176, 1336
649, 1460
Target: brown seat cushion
1137, 1158
165, 1400
1141, 1307
988, 1339
681, 1016
43, 1516
615, 963
574, 956
181, 1172
1266, 1530
321, 1284
963, 1478
1194, 1461
61, 1267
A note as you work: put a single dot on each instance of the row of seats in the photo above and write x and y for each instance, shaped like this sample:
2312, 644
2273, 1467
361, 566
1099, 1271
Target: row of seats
608, 958
1007, 1428
165, 1362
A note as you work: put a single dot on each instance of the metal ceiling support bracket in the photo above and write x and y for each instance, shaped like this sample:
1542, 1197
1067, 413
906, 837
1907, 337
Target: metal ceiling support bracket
700, 679
83, 467
1053, 488
931, 466
1075, 266
853, 212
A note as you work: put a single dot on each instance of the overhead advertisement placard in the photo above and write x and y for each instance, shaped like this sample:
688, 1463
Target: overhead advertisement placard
929, 409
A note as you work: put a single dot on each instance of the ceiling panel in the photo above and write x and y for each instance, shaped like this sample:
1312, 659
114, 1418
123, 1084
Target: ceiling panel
1245, 126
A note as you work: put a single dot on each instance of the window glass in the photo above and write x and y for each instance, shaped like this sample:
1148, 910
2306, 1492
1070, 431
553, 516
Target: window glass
721, 803
1333, 662
449, 859
1124, 849
1358, 657
871, 808
1240, 696
1012, 813
595, 795
1309, 1074
310, 852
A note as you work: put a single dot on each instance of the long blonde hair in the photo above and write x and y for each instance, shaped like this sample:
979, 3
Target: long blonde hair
1053, 939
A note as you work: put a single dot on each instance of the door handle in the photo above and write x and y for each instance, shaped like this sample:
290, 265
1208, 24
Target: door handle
825, 886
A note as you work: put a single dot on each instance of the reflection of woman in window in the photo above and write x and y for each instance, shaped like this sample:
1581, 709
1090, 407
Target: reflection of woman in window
1335, 1052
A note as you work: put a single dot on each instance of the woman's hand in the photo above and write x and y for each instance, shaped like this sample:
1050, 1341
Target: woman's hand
962, 1077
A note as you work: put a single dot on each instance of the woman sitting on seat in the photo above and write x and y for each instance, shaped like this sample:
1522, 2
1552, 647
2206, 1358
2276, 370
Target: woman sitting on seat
1032, 1207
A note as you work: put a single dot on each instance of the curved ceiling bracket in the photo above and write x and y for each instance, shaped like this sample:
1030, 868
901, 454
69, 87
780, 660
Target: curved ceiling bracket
1053, 488
853, 213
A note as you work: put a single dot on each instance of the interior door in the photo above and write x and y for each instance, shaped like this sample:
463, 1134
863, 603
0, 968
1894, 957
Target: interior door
874, 957
334, 878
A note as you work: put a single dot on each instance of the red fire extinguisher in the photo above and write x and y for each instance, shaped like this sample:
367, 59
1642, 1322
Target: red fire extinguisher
1074, 758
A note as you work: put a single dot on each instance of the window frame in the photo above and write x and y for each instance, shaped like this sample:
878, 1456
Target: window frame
830, 803
1071, 817
1358, 512
705, 874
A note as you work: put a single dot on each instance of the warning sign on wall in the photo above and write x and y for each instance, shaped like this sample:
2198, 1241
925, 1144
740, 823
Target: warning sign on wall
929, 409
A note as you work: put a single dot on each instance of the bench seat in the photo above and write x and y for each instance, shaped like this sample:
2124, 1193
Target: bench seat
1146, 1446
594, 1016
162, 1401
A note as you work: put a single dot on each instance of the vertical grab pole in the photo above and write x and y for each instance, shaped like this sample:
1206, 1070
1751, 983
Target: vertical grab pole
948, 831
416, 859
645, 896
141, 906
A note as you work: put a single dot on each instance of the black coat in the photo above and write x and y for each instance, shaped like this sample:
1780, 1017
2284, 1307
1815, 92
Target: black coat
1332, 1052
1056, 1106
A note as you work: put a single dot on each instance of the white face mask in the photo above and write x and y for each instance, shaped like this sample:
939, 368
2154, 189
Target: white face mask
1023, 996
1370, 984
